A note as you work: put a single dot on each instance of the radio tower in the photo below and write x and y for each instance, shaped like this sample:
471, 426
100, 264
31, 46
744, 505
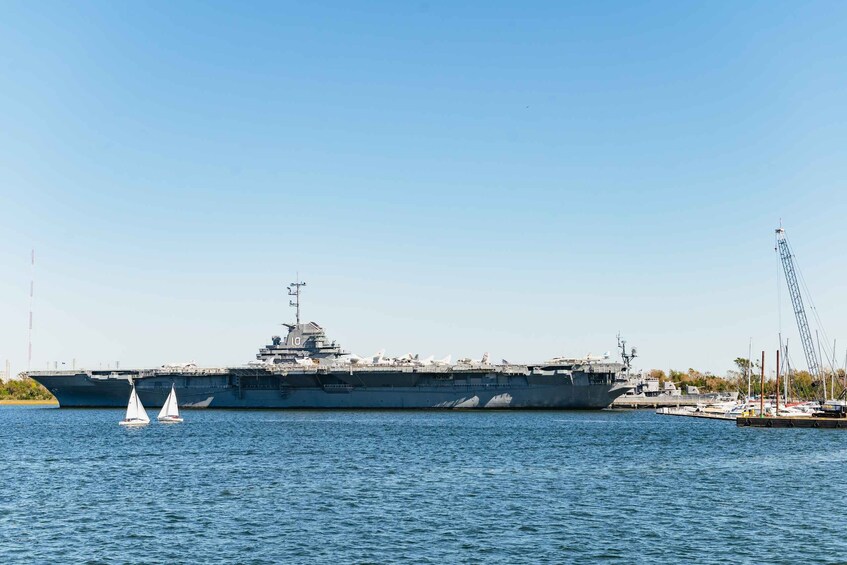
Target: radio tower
31, 289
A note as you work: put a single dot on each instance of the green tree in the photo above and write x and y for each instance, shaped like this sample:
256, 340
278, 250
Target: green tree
24, 389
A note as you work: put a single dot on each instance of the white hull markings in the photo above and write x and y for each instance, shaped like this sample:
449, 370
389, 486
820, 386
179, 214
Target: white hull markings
200, 404
499, 401
471, 402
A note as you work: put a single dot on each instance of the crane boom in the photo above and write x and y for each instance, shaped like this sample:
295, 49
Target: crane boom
797, 303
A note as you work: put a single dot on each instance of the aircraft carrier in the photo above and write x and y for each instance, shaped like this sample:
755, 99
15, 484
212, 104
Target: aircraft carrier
306, 370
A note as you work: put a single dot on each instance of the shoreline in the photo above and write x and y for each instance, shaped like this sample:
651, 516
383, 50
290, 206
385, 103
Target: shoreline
13, 402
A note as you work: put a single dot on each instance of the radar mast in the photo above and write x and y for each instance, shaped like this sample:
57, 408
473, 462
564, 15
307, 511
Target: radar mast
294, 290
627, 357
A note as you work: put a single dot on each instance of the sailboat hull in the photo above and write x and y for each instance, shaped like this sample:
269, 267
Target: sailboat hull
133, 423
169, 420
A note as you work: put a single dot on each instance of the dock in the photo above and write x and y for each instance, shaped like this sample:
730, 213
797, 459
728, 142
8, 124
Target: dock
641, 402
778, 422
692, 414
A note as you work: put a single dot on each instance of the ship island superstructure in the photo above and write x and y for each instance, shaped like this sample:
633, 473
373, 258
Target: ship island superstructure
307, 370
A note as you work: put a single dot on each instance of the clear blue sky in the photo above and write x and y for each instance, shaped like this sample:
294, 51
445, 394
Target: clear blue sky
520, 178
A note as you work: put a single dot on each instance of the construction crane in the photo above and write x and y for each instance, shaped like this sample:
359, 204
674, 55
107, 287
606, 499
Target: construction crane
797, 302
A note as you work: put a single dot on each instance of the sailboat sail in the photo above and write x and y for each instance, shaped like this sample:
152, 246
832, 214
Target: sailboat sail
132, 407
173, 409
169, 408
135, 410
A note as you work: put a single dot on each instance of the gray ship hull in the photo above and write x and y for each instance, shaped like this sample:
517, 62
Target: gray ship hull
309, 390
308, 370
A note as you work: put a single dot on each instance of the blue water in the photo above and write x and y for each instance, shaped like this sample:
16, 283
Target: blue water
382, 487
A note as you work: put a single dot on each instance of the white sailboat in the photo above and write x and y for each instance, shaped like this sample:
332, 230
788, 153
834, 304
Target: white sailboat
136, 415
169, 414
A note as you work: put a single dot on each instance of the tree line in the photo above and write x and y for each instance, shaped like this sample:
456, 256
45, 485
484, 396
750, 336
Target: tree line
801, 384
23, 389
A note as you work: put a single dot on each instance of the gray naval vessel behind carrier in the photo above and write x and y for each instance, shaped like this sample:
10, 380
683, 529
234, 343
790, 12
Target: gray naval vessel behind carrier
307, 370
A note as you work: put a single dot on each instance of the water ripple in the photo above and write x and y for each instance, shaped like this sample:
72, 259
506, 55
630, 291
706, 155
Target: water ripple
397, 487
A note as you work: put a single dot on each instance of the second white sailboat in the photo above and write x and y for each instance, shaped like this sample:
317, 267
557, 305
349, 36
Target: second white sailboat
169, 414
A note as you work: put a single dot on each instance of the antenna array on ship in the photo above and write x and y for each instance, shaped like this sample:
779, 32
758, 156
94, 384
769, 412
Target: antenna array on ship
294, 290
627, 357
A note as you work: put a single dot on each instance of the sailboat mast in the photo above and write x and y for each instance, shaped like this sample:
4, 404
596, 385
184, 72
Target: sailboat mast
762, 392
138, 407
787, 370
749, 369
173, 409
776, 388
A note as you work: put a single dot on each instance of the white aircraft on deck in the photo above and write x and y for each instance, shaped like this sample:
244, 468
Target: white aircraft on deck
423, 362
377, 359
181, 366
443, 362
381, 359
603, 357
468, 361
405, 359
